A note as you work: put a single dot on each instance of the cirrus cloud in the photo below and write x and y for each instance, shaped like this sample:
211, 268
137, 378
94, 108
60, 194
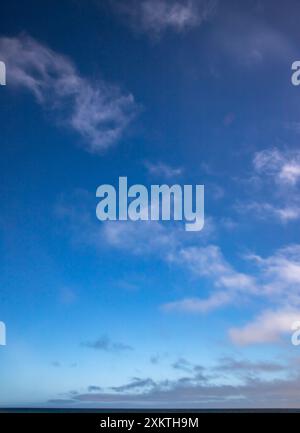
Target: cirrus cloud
99, 112
154, 17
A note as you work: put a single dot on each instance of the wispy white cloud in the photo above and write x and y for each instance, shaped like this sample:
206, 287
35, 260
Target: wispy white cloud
277, 174
157, 16
282, 166
268, 327
197, 305
99, 112
261, 210
280, 273
279, 279
141, 237
275, 279
163, 170
208, 262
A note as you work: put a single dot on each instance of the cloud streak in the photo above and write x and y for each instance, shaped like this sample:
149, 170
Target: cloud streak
98, 112
256, 387
105, 344
163, 170
154, 17
208, 262
265, 328
282, 167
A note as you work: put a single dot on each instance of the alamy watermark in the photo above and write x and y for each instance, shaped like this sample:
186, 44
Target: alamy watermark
159, 202
2, 74
296, 74
296, 334
2, 334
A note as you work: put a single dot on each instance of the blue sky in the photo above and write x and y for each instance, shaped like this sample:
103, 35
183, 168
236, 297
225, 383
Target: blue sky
146, 314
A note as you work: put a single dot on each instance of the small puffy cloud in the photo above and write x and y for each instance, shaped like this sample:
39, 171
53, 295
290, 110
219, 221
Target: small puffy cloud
290, 172
94, 388
98, 112
276, 175
196, 372
282, 166
182, 364
107, 345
